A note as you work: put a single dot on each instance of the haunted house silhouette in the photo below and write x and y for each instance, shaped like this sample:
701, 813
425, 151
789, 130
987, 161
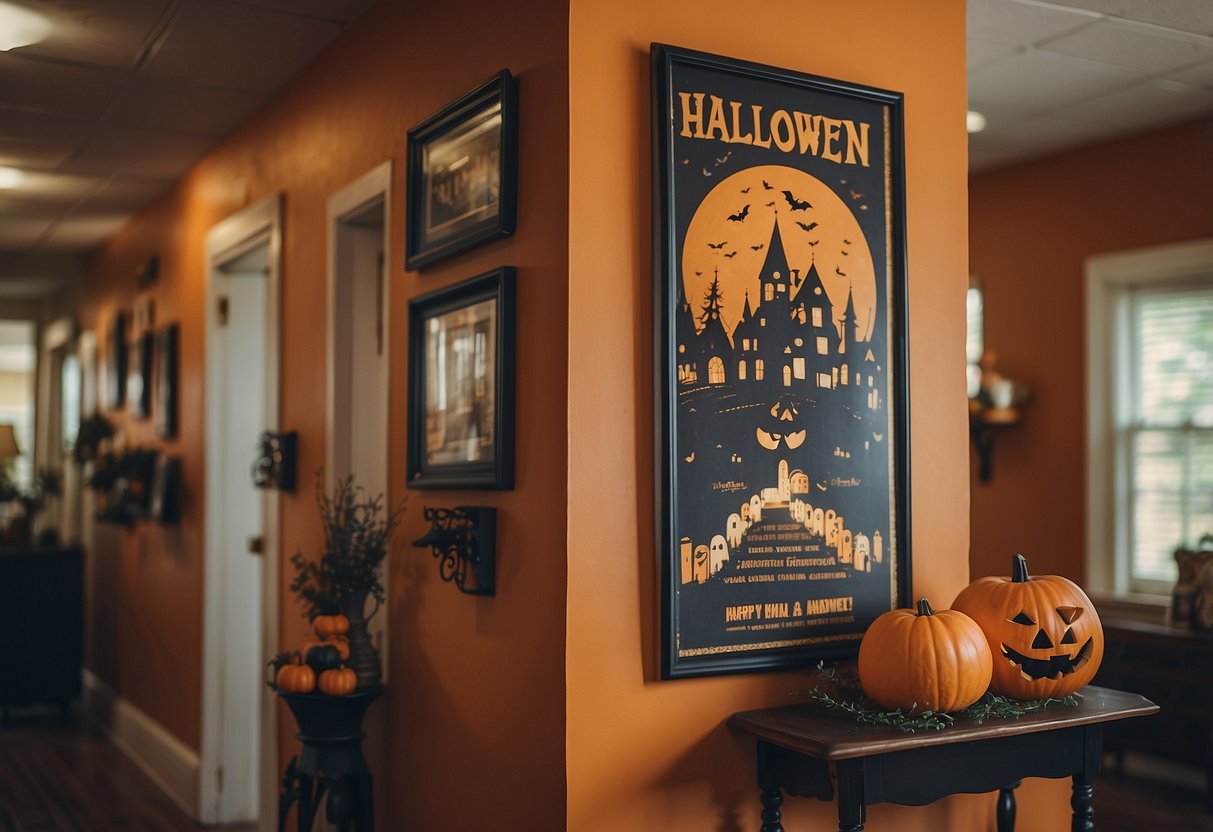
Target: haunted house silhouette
786, 336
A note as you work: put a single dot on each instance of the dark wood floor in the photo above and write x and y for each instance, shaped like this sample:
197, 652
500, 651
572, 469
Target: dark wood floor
56, 776
1134, 802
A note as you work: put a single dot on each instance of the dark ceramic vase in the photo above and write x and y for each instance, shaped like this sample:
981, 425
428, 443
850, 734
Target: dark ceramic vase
364, 657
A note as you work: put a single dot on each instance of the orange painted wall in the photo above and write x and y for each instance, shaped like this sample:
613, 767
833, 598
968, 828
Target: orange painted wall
1031, 227
477, 686
647, 754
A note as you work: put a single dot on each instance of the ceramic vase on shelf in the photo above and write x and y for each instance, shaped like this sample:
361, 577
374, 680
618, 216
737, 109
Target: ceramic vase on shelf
364, 657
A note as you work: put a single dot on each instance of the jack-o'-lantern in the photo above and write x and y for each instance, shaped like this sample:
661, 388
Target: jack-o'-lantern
1045, 635
783, 428
924, 660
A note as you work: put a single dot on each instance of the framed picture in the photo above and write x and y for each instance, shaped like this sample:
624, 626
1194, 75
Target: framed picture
461, 385
164, 503
463, 173
115, 362
139, 381
166, 382
783, 431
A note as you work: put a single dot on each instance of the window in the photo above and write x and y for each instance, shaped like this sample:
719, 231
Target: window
759, 369
768, 292
817, 316
18, 357
741, 370
823, 345
975, 337
1150, 413
715, 370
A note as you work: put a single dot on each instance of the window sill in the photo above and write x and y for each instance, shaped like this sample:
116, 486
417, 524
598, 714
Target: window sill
1135, 606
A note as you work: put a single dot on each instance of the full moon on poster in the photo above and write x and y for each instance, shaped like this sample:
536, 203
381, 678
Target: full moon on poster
784, 463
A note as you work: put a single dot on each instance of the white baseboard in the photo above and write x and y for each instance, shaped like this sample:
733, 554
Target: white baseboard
170, 763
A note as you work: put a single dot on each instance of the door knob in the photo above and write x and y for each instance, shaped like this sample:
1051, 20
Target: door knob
256, 545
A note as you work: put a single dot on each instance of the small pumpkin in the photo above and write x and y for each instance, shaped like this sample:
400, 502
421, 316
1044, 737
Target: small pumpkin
343, 647
330, 625
296, 678
924, 660
323, 657
338, 681
1045, 635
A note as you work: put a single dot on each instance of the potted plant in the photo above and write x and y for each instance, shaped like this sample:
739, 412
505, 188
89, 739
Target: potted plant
357, 531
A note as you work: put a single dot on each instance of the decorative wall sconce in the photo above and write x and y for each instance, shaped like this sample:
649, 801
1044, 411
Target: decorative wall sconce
463, 537
275, 465
997, 406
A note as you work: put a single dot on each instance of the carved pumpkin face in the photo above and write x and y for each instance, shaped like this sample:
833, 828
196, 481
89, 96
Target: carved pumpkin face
1045, 635
784, 427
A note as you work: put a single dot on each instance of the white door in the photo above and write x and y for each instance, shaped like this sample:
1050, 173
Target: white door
238, 767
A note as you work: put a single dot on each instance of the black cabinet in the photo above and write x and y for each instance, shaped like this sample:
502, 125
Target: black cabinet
1174, 668
41, 613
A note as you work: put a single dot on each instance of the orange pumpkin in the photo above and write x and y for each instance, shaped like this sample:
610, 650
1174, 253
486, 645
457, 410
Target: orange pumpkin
924, 660
338, 681
1046, 637
330, 625
296, 678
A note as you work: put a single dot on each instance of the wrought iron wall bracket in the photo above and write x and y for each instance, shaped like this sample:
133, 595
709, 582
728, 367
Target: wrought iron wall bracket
464, 540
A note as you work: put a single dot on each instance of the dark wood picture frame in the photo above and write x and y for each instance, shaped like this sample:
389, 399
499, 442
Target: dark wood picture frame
165, 411
116, 361
781, 364
450, 411
463, 173
139, 379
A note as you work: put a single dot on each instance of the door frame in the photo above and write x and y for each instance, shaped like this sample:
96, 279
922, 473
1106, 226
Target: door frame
258, 224
355, 197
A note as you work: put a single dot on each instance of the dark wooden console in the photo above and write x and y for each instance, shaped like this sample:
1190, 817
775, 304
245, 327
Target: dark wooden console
1174, 668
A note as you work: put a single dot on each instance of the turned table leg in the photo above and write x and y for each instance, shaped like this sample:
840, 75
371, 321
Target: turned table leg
851, 808
1080, 801
772, 799
1006, 808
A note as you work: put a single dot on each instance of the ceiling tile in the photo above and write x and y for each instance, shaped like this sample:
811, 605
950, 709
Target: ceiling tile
22, 232
1145, 48
52, 87
135, 151
27, 207
1014, 23
83, 232
37, 139
1200, 75
1153, 103
337, 11
1035, 82
225, 44
1184, 15
981, 52
123, 195
172, 104
110, 33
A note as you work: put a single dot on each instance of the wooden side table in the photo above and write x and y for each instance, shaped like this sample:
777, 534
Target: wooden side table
805, 750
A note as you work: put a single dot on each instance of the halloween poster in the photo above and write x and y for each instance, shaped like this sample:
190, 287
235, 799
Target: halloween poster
780, 356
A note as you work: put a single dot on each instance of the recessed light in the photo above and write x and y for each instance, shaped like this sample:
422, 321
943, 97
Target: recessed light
10, 178
20, 27
975, 121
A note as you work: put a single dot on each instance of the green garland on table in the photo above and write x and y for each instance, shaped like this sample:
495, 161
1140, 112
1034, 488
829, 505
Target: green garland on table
867, 712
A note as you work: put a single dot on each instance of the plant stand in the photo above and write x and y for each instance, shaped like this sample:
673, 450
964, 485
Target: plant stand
329, 762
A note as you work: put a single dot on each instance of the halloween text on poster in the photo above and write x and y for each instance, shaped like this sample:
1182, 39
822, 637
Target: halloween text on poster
781, 363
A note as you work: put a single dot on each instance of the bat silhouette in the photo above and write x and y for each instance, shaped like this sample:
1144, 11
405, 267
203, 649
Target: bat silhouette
855, 194
731, 254
846, 253
745, 190
863, 207
840, 271
846, 242
740, 215
771, 204
758, 247
843, 181
813, 243
720, 160
686, 161
807, 226
766, 187
697, 274
706, 172
718, 245
797, 205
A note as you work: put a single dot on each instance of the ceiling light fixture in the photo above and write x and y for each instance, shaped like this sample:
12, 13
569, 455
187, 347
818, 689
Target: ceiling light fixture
10, 178
20, 27
975, 121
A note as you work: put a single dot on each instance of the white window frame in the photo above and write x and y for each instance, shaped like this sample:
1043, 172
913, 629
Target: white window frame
1109, 279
